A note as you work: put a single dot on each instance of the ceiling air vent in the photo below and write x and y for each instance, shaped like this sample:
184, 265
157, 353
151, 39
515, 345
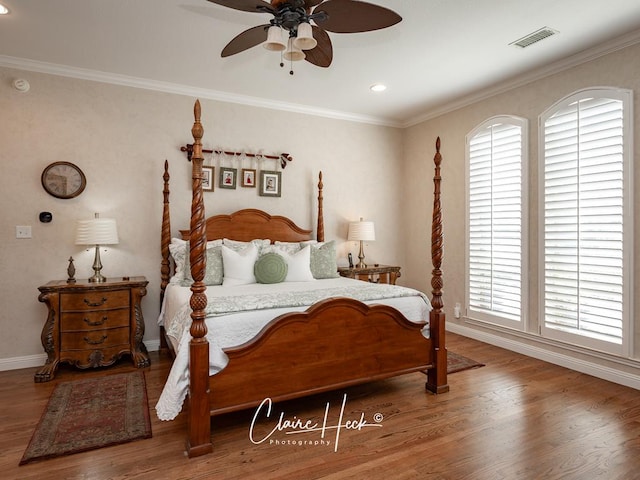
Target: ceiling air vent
534, 37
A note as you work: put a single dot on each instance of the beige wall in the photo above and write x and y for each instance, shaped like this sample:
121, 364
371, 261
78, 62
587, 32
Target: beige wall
120, 137
619, 69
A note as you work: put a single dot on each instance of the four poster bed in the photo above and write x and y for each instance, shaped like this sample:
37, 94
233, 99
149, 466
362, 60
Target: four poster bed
336, 342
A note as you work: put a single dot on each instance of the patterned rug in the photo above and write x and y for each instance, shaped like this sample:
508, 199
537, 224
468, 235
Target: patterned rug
93, 413
457, 363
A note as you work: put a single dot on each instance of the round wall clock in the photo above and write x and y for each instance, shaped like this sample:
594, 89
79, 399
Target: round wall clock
63, 180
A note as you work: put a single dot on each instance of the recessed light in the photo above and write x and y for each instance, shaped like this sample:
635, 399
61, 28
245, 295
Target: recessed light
378, 87
3, 10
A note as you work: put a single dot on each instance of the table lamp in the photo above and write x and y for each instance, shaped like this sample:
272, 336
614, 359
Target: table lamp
361, 231
97, 231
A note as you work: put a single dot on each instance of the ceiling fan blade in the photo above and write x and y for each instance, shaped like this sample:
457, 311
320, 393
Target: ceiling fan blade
351, 16
258, 6
322, 54
245, 40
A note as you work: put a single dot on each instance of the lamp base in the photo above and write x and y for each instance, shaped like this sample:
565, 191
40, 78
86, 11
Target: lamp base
361, 263
97, 266
97, 278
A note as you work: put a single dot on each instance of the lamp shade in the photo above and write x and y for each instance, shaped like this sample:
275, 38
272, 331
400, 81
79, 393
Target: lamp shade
274, 40
293, 53
304, 39
361, 231
97, 231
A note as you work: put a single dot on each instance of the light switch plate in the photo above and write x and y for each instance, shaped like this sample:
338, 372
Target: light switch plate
23, 231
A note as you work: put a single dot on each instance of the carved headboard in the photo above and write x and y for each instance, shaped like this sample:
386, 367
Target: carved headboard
248, 224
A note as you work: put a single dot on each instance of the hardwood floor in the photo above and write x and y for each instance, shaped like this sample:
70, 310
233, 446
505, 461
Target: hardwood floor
516, 418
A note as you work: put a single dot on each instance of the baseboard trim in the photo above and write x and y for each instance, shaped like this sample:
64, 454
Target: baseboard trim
542, 353
16, 363
30, 361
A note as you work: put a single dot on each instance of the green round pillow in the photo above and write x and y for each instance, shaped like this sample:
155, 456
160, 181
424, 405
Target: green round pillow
270, 268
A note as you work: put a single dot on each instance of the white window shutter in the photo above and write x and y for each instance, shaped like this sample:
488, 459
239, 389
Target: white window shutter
495, 222
584, 278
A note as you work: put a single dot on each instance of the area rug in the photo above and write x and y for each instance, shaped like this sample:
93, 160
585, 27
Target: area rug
89, 414
457, 363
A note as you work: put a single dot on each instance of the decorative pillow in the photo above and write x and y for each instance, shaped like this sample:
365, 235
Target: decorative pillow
289, 247
238, 266
323, 261
298, 265
237, 245
179, 250
270, 268
213, 274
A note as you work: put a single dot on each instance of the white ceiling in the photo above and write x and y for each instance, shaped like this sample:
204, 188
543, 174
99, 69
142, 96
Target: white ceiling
442, 51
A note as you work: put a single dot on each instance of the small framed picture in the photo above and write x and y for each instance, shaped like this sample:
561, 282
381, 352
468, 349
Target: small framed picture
270, 184
207, 179
248, 177
228, 177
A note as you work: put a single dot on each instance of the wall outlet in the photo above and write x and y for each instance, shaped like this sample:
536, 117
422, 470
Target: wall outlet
23, 231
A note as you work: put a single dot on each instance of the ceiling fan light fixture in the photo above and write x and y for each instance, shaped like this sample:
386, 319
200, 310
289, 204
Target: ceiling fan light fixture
304, 39
274, 41
293, 53
3, 10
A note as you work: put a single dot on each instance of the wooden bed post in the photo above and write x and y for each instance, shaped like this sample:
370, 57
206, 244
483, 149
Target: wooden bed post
165, 268
437, 377
165, 240
199, 420
320, 229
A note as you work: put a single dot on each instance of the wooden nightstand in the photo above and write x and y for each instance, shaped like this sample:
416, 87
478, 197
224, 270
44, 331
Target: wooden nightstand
92, 324
372, 273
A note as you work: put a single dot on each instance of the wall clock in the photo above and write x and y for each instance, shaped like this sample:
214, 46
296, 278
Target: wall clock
63, 180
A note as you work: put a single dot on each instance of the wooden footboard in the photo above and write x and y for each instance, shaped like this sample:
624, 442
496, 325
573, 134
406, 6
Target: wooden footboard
334, 344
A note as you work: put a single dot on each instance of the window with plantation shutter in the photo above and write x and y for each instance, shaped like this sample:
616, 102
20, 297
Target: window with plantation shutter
496, 153
586, 220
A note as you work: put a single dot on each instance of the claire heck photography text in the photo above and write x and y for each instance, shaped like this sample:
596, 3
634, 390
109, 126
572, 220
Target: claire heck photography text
284, 430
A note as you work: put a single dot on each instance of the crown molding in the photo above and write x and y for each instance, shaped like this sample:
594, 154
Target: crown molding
588, 55
177, 89
585, 56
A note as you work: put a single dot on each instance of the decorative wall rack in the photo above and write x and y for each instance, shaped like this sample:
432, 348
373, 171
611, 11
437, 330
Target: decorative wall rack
283, 157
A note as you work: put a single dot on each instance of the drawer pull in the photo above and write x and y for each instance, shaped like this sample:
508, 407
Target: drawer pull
95, 304
95, 324
95, 342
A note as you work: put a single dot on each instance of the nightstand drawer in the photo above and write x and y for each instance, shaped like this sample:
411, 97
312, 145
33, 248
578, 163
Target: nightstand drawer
100, 320
96, 339
98, 300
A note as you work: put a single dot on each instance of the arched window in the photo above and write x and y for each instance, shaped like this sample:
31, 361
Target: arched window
496, 222
586, 220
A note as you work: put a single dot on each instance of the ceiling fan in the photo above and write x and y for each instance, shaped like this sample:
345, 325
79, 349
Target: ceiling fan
305, 40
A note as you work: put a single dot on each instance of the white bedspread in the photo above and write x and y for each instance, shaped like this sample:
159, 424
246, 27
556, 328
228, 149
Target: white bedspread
259, 304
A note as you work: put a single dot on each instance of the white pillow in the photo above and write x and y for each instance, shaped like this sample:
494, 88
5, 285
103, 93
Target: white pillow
238, 266
298, 265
